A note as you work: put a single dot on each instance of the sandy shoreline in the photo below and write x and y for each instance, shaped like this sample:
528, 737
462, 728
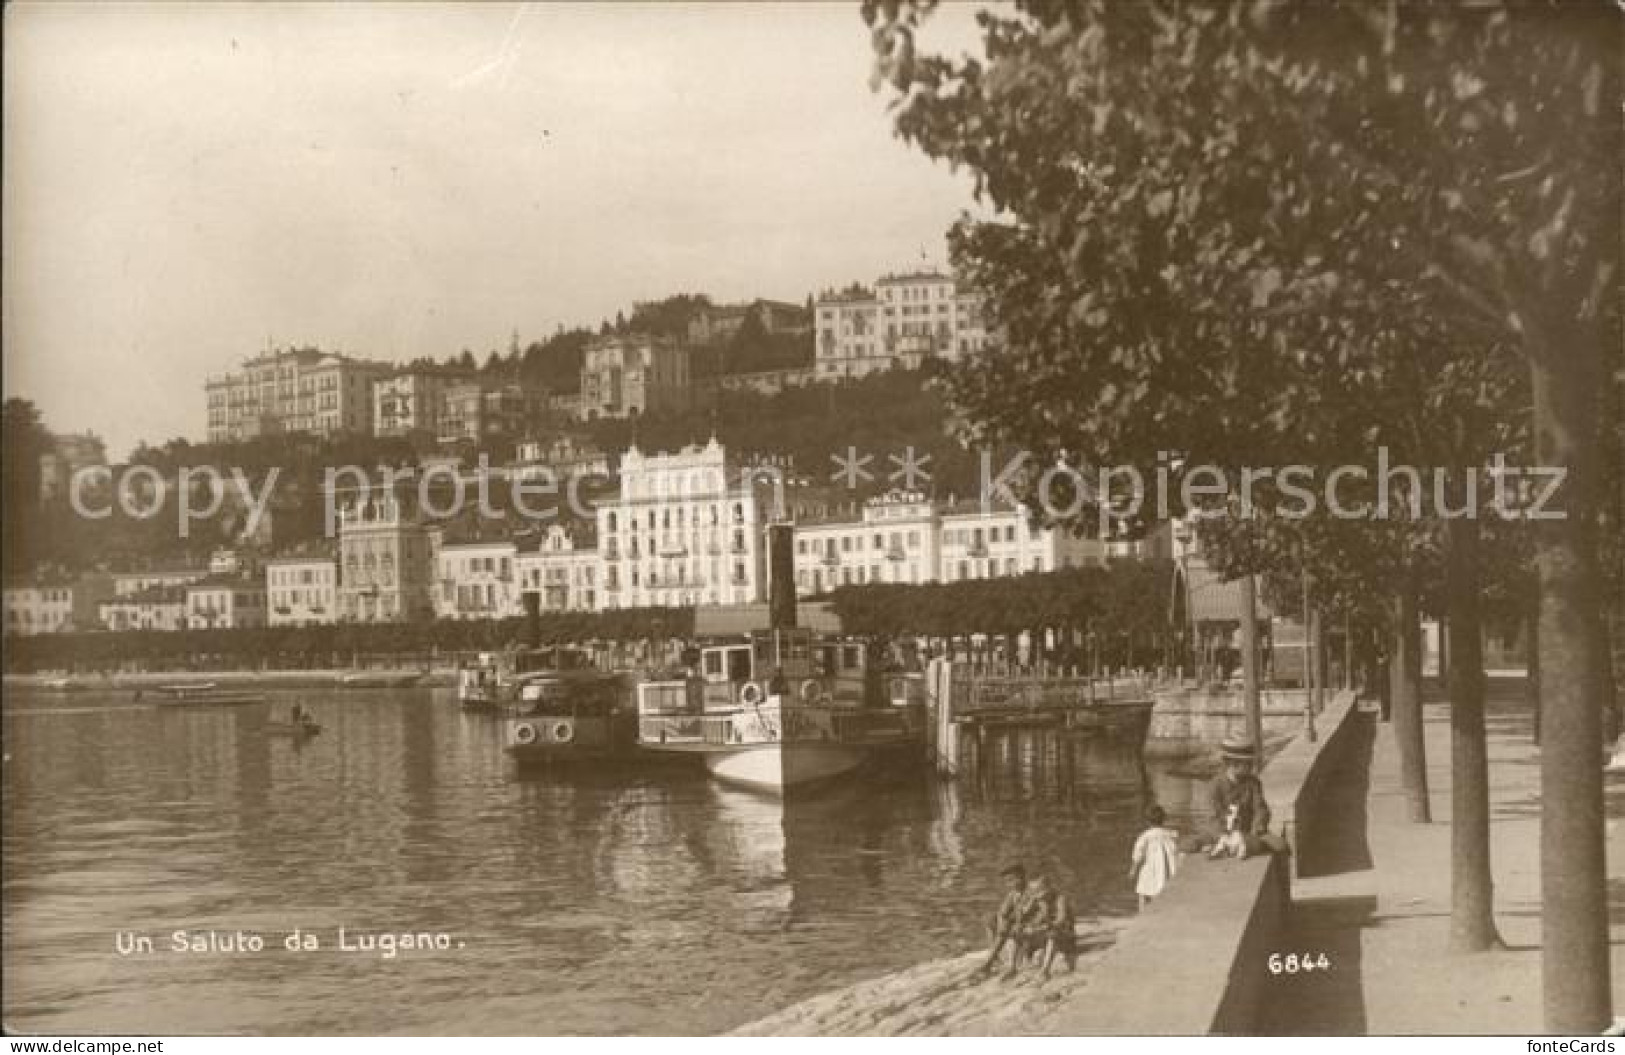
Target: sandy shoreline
942, 998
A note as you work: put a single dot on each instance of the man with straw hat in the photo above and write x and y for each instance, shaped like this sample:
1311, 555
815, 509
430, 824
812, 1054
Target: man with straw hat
1238, 788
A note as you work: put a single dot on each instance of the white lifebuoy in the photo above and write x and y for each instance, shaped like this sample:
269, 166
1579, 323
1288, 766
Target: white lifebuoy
751, 694
563, 732
524, 733
811, 691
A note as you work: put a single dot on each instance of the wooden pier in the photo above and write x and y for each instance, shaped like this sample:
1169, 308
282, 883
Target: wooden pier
962, 697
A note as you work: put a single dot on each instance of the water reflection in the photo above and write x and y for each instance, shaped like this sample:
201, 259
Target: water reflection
631, 900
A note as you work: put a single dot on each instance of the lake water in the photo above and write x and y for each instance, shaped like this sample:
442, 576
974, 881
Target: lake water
612, 902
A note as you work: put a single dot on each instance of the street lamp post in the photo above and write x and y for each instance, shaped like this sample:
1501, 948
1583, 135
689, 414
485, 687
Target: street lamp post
1310, 676
1249, 665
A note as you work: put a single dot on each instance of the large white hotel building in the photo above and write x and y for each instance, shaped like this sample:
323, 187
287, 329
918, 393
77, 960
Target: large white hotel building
686, 529
903, 537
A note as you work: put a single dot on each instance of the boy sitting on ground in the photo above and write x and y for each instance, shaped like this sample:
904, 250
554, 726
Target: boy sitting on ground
1051, 926
1006, 927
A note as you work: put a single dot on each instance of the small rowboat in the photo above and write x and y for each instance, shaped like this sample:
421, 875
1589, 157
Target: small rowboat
380, 680
184, 688
206, 695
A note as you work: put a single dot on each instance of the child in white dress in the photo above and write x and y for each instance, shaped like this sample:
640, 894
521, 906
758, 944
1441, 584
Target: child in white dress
1155, 858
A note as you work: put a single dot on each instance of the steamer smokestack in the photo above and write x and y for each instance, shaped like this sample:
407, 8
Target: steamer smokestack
533, 619
781, 576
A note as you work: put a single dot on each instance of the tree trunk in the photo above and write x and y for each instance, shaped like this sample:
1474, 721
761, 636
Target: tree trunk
1317, 654
1472, 895
1573, 671
1531, 650
1348, 652
1249, 667
1406, 679
1308, 645
1380, 679
1608, 698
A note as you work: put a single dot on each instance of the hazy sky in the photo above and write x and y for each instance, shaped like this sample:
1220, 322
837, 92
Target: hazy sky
184, 183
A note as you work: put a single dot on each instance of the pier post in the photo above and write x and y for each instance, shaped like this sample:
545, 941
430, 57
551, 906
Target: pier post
945, 734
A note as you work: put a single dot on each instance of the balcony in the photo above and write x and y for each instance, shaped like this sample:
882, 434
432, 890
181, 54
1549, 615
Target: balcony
830, 560
977, 549
896, 553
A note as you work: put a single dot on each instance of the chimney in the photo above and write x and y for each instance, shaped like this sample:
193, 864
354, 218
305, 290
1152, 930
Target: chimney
781, 576
533, 618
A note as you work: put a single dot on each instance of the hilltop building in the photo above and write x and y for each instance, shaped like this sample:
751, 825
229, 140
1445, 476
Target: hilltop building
297, 390
413, 399
624, 376
718, 324
902, 321
475, 409
565, 456
66, 454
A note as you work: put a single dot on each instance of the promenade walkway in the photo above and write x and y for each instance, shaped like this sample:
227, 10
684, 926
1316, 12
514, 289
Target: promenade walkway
1379, 907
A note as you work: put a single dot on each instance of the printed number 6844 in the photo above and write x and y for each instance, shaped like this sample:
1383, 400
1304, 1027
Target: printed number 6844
1294, 962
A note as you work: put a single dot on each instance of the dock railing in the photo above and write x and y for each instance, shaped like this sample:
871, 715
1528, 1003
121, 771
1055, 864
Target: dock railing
981, 695
959, 694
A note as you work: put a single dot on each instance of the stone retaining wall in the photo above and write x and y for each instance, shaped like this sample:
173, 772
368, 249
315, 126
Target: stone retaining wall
1188, 720
1295, 781
1196, 961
